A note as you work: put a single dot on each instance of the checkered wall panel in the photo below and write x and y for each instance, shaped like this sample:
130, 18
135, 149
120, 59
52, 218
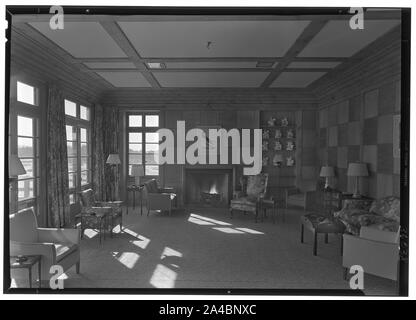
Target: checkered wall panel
361, 129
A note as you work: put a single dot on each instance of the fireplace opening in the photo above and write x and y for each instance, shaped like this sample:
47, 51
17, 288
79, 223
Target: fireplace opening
208, 187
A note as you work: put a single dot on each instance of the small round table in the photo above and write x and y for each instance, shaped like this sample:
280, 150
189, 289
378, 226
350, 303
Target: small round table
135, 188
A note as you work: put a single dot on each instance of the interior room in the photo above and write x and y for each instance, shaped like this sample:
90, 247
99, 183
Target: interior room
92, 204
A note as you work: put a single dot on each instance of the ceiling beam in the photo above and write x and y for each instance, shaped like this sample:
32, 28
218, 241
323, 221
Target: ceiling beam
120, 38
332, 14
216, 59
301, 42
44, 43
213, 70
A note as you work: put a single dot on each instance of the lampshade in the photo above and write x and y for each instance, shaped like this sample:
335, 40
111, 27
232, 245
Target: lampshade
113, 159
357, 169
327, 171
137, 170
15, 166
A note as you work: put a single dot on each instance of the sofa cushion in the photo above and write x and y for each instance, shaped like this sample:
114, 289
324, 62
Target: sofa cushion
388, 207
351, 219
63, 250
372, 233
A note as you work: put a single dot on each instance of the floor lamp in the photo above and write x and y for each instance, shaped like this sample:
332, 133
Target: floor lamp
113, 160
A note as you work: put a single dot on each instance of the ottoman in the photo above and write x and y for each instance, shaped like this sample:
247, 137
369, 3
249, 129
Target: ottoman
318, 223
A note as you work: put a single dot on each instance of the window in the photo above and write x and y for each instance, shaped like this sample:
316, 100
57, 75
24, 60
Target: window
26, 93
28, 153
70, 108
143, 142
78, 143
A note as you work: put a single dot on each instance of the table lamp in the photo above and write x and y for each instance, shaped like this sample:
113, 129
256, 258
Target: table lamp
327, 172
137, 171
357, 170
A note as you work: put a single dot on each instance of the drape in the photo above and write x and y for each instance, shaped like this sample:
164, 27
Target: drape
111, 145
98, 156
105, 130
58, 210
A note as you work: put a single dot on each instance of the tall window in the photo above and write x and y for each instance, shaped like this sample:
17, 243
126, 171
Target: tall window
78, 147
28, 152
143, 142
24, 137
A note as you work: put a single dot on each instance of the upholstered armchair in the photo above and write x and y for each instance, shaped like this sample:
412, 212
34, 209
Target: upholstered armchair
113, 209
301, 198
249, 201
55, 246
157, 198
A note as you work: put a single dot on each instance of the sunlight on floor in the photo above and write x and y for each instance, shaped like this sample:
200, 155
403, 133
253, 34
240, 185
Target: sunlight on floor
228, 230
128, 259
250, 231
210, 220
163, 277
142, 241
90, 233
201, 220
169, 252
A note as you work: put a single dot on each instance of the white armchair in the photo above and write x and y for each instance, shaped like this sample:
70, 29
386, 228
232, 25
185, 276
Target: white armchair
376, 251
55, 246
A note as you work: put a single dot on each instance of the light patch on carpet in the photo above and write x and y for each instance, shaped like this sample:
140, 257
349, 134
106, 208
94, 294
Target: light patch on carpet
169, 252
200, 222
142, 243
250, 230
163, 277
222, 223
90, 233
228, 230
128, 259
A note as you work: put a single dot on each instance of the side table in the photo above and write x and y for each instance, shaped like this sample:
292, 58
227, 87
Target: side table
268, 204
27, 264
135, 188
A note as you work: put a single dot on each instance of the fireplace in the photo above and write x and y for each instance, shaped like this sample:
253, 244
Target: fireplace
208, 187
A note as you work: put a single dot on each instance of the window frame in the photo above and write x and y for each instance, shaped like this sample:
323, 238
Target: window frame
143, 130
37, 112
78, 123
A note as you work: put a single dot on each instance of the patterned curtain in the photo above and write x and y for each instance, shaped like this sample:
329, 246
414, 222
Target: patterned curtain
110, 145
98, 156
58, 214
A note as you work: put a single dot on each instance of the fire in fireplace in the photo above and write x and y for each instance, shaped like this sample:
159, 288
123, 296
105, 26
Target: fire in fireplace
208, 187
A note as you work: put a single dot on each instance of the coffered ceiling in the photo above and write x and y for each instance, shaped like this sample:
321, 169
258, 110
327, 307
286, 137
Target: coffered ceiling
207, 51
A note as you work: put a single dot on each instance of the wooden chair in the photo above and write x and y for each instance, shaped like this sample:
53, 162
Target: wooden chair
255, 191
157, 198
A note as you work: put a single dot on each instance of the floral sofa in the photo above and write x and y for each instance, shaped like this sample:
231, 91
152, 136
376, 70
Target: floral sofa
382, 214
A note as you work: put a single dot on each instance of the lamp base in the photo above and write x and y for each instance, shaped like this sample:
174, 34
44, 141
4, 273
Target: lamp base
137, 181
